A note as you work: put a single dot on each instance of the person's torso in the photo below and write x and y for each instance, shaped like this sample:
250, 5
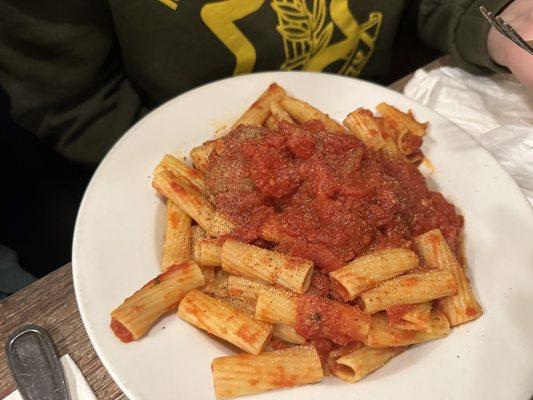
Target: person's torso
169, 46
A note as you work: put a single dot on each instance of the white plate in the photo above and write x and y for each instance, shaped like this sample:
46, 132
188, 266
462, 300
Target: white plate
119, 233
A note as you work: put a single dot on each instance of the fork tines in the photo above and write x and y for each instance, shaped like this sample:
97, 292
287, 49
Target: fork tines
505, 29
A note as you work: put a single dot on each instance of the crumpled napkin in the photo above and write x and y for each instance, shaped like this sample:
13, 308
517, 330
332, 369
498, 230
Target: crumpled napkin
78, 387
496, 110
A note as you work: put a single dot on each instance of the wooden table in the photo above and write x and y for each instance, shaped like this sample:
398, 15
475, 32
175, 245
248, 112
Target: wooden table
50, 303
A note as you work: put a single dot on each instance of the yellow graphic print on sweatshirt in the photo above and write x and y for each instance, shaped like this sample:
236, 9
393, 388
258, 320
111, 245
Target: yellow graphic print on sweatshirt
220, 18
306, 32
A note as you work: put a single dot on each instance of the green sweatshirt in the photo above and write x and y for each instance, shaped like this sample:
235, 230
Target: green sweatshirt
80, 72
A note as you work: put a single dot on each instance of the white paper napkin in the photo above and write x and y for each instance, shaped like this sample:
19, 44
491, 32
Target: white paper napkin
78, 387
496, 110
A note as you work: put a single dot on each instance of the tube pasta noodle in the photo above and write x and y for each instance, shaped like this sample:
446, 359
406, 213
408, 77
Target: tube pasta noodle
381, 334
302, 112
416, 319
420, 315
207, 251
200, 155
189, 200
409, 289
365, 126
375, 132
391, 148
279, 113
209, 278
186, 197
231, 270
193, 177
244, 305
134, 317
462, 307
287, 334
370, 270
197, 234
272, 122
243, 374
176, 247
219, 225
356, 365
224, 321
221, 283
260, 109
241, 287
293, 273
276, 306
403, 121
282, 307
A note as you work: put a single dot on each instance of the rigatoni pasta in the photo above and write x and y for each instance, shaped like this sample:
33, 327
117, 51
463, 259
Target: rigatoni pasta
416, 318
462, 307
192, 202
287, 334
362, 124
279, 113
136, 315
313, 317
372, 269
354, 366
276, 306
206, 251
381, 334
272, 122
410, 289
260, 109
298, 241
200, 155
302, 112
193, 177
219, 225
177, 244
244, 374
404, 121
189, 199
270, 266
224, 321
245, 288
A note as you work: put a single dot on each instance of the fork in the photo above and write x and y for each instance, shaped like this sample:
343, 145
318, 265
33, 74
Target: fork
506, 30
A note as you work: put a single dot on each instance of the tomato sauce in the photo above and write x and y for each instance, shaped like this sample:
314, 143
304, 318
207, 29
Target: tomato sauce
320, 318
327, 196
323, 348
396, 313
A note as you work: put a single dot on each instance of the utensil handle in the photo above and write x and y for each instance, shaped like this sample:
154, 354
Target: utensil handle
35, 365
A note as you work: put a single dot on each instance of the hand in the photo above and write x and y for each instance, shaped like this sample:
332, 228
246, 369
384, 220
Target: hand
519, 13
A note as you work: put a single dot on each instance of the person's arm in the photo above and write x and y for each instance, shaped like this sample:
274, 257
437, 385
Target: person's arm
458, 28
60, 66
